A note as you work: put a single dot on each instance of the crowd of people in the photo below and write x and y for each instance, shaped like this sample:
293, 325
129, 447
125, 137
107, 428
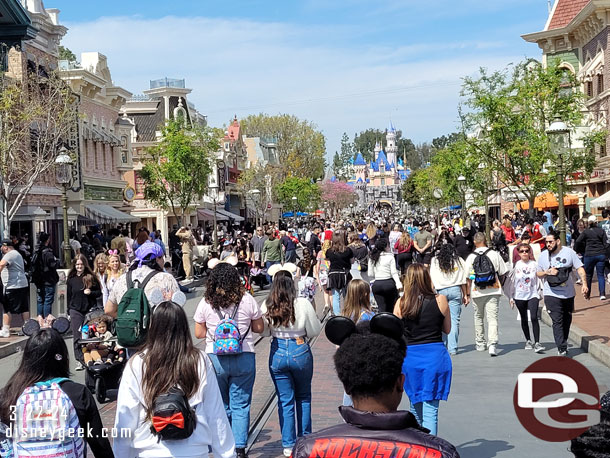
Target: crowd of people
395, 288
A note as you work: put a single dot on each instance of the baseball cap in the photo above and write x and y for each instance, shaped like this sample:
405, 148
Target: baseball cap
592, 219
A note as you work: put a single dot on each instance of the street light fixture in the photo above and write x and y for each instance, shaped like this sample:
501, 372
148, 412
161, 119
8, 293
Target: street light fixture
559, 139
462, 188
294, 208
256, 194
63, 176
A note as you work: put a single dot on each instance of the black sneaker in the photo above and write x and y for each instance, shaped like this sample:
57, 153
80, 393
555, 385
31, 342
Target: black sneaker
241, 453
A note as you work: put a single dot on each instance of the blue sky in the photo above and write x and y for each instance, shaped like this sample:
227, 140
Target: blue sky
346, 65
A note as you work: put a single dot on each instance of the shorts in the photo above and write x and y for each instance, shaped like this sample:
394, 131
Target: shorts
16, 300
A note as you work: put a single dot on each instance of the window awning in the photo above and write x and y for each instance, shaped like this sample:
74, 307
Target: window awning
233, 216
108, 214
204, 214
548, 200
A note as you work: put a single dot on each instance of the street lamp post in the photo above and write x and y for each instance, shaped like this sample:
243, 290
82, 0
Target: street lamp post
294, 207
255, 193
559, 138
462, 188
63, 175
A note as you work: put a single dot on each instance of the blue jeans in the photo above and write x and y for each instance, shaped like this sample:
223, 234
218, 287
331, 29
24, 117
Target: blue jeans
291, 369
45, 294
235, 374
426, 414
596, 262
454, 297
267, 265
337, 293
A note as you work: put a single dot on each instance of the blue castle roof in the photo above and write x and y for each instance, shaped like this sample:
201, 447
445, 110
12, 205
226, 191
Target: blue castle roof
391, 128
359, 160
381, 159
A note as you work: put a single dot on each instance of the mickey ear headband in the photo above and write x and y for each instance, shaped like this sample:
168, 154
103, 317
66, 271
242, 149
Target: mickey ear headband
339, 328
60, 324
232, 260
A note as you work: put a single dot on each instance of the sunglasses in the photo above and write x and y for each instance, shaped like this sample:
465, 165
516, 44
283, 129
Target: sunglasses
524, 251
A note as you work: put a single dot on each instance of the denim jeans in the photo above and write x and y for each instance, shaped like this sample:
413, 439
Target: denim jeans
337, 293
596, 263
291, 369
44, 299
426, 414
235, 374
267, 265
454, 297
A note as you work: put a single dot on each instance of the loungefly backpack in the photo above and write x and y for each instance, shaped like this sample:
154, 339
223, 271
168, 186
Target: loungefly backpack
173, 418
227, 338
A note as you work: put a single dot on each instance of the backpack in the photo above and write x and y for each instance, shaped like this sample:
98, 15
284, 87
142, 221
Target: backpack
563, 274
36, 268
134, 313
227, 338
484, 270
172, 416
46, 423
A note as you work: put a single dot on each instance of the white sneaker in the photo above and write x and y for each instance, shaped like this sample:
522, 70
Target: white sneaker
5, 332
481, 347
287, 452
602, 298
528, 345
492, 350
538, 347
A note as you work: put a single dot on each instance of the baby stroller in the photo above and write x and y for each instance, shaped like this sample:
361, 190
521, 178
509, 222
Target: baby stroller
258, 277
243, 268
104, 377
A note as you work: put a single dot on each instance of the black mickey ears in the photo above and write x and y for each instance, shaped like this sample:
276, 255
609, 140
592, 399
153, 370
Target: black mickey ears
60, 324
339, 328
389, 325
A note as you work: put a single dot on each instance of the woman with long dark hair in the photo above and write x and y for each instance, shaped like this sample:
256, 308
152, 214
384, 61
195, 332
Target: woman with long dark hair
290, 321
226, 299
382, 269
449, 277
83, 289
46, 359
168, 360
360, 253
427, 366
340, 257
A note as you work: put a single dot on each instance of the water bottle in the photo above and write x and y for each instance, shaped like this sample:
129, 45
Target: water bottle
6, 443
85, 331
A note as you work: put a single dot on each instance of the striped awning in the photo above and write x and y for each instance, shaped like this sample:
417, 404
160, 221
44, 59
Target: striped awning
107, 214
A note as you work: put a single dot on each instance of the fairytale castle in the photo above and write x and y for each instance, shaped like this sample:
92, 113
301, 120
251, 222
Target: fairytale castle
378, 183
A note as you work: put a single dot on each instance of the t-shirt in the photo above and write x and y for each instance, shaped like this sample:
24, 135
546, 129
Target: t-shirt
499, 266
340, 260
526, 280
442, 280
13, 275
422, 239
606, 227
566, 257
160, 288
248, 311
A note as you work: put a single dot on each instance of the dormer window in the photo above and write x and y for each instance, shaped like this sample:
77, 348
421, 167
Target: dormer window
382, 167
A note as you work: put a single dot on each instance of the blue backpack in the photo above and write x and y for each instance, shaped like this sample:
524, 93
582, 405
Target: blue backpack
227, 337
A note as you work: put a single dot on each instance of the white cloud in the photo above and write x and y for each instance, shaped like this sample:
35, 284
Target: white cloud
242, 67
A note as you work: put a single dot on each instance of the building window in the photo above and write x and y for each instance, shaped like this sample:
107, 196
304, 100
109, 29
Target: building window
589, 88
383, 182
600, 84
602, 150
139, 185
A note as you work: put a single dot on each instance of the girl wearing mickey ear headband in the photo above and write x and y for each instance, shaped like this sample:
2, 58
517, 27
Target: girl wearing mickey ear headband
43, 377
427, 366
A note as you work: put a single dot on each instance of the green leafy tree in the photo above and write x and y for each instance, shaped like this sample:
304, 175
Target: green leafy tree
66, 54
306, 192
506, 114
301, 147
176, 171
342, 161
256, 185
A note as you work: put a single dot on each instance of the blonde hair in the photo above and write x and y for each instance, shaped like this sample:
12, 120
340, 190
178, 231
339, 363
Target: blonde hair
100, 257
371, 230
325, 246
357, 299
121, 266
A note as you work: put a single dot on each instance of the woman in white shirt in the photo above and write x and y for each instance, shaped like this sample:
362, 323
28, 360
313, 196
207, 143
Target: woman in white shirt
382, 268
169, 359
448, 273
291, 321
524, 294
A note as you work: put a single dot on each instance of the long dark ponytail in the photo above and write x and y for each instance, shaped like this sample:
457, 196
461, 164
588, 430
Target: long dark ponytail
380, 246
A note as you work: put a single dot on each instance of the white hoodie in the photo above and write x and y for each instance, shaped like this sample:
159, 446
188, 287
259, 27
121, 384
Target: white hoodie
212, 428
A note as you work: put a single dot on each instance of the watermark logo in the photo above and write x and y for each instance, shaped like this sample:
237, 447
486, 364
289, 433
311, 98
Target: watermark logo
556, 399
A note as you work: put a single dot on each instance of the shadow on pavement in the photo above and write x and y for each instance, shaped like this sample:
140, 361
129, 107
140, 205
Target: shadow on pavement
483, 448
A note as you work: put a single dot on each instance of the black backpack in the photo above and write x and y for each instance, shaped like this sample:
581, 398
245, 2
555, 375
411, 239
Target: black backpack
172, 416
484, 270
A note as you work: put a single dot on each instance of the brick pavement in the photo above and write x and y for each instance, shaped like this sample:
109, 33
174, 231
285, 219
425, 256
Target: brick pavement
593, 316
327, 395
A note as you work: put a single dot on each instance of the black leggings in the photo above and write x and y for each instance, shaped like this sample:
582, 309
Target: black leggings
532, 306
386, 294
403, 260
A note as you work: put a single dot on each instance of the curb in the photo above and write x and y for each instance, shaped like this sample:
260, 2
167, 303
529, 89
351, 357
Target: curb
584, 341
13, 347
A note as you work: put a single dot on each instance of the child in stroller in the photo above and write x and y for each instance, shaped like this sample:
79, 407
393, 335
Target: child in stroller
104, 350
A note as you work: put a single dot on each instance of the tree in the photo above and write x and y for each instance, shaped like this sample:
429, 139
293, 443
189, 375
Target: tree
306, 192
38, 114
342, 162
301, 147
257, 178
66, 54
337, 194
506, 116
176, 171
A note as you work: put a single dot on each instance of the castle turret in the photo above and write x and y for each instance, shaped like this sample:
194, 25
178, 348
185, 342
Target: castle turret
391, 147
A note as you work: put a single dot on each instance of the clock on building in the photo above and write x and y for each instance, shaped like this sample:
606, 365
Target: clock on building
129, 193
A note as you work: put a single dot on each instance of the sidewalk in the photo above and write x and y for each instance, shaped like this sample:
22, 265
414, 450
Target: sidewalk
590, 325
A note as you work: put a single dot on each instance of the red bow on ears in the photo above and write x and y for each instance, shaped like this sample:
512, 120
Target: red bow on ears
176, 419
